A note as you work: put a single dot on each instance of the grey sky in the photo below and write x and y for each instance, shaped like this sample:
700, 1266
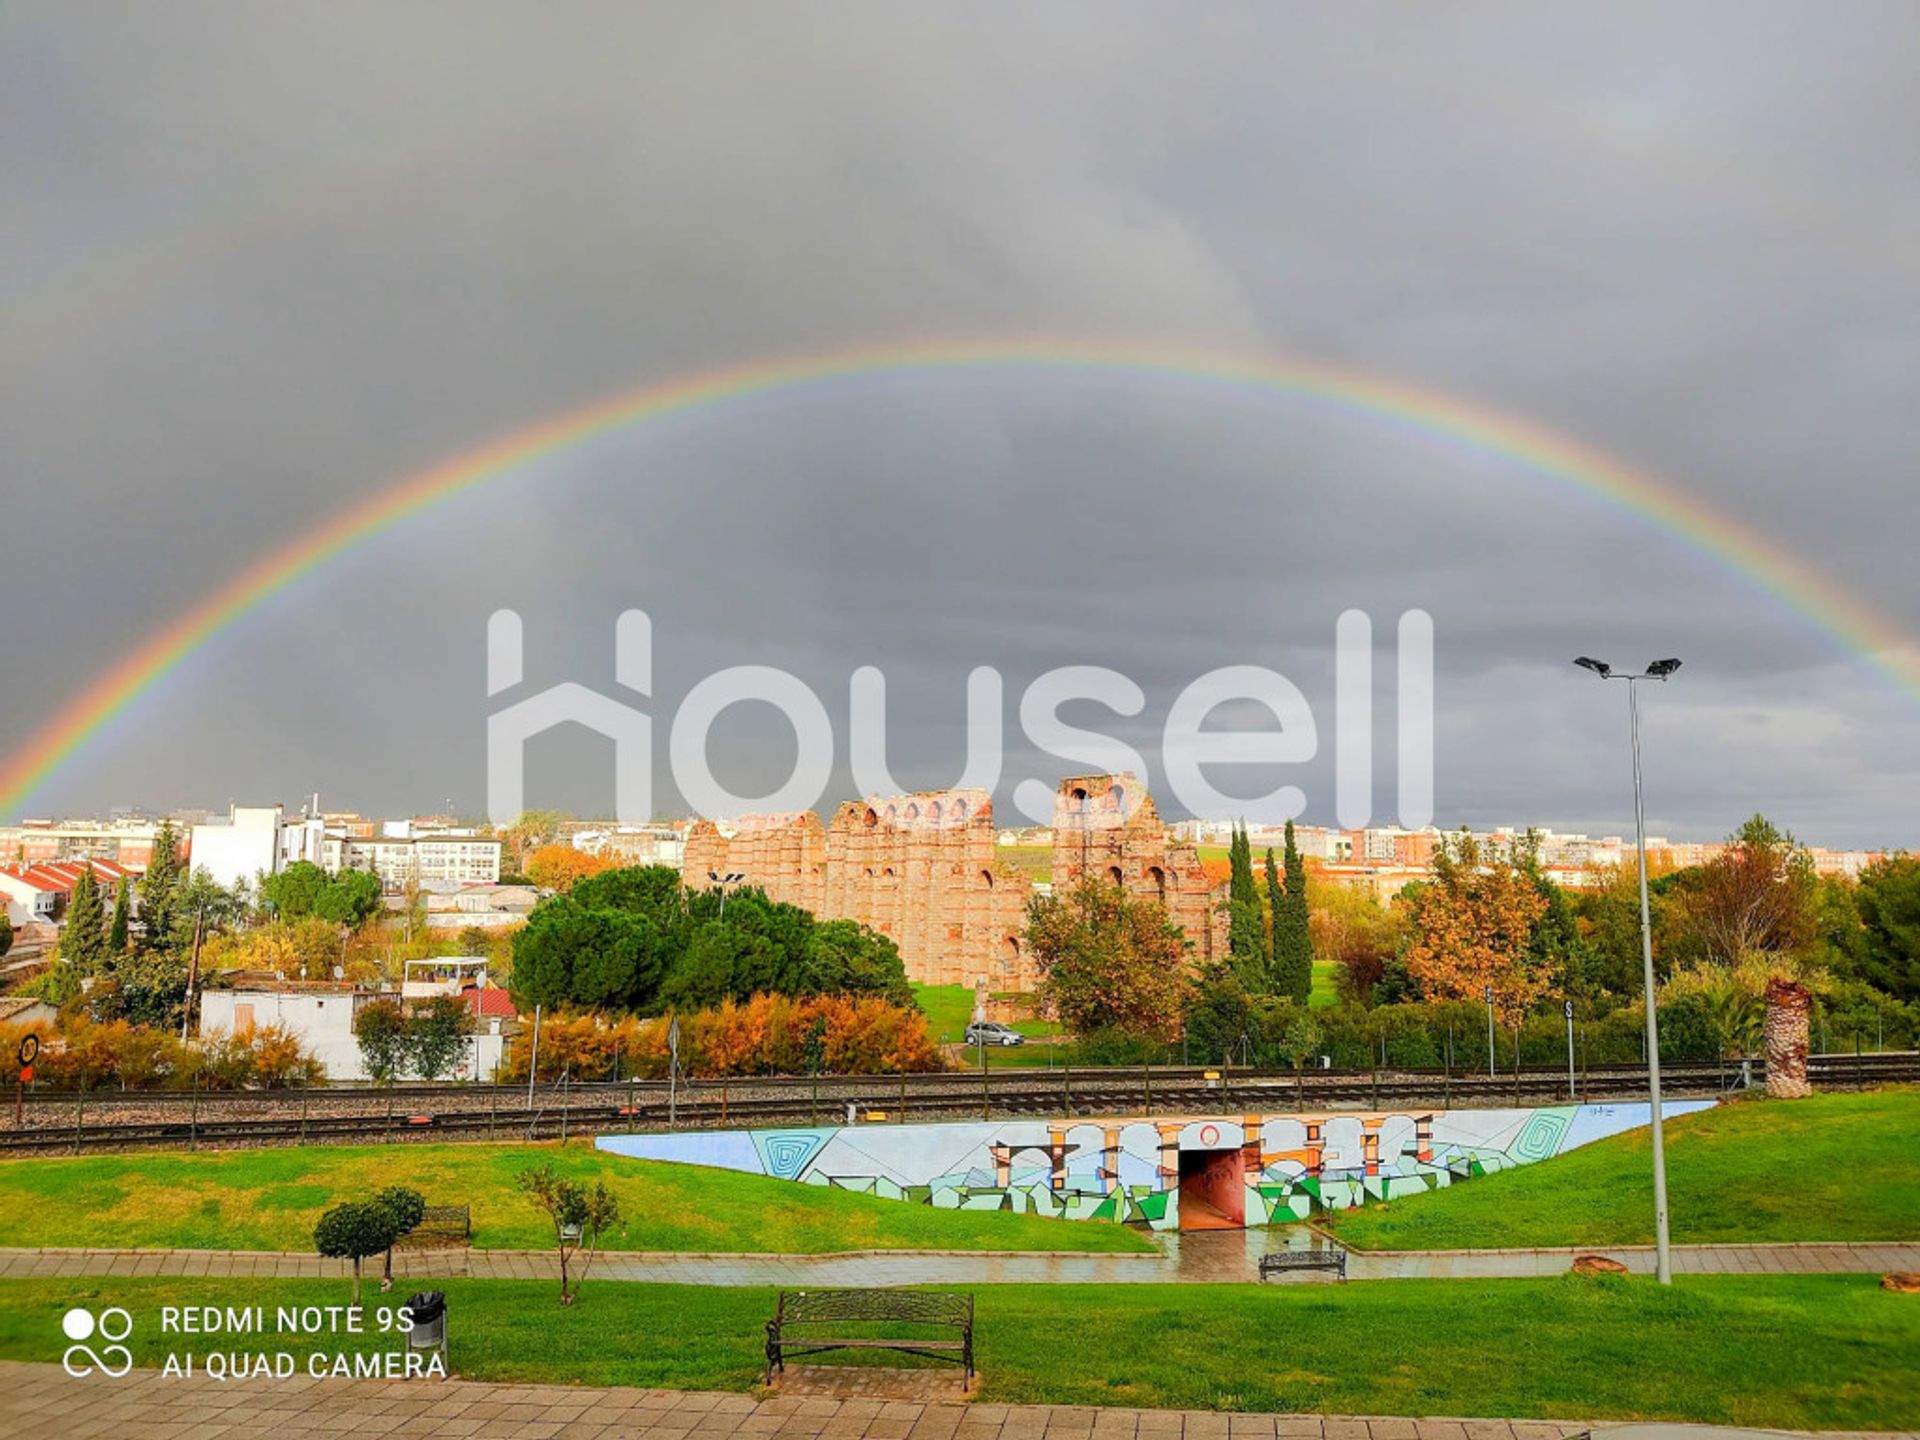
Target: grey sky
257, 262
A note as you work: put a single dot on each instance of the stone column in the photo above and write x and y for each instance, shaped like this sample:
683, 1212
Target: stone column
1788, 1007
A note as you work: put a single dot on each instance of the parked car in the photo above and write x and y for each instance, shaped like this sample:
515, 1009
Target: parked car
992, 1032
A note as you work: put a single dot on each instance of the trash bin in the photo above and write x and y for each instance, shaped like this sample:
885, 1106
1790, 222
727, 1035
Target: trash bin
429, 1311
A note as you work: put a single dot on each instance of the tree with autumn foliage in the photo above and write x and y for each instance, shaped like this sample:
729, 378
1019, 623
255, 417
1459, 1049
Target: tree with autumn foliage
1473, 930
1109, 961
560, 867
1757, 900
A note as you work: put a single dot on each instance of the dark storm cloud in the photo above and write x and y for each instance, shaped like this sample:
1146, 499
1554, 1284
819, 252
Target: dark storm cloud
258, 261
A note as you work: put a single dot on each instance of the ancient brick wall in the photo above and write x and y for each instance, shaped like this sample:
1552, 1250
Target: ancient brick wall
1106, 825
922, 870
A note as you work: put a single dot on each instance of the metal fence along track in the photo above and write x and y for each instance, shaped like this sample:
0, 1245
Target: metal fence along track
73, 1123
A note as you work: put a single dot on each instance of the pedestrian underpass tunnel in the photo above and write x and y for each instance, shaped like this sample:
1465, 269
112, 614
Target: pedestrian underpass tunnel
1213, 1189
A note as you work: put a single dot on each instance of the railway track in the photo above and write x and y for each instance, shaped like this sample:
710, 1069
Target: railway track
479, 1113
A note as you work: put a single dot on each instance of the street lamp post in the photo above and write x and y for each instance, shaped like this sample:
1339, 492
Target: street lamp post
1658, 670
725, 883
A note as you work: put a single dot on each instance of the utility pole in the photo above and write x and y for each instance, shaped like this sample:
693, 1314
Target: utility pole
193, 968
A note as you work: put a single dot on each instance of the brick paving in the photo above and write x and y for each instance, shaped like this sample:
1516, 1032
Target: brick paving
42, 1400
1229, 1257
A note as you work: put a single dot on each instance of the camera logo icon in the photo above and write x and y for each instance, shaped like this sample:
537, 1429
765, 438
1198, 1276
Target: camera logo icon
112, 1325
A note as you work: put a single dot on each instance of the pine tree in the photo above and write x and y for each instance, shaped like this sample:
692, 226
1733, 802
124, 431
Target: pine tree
83, 942
122, 914
160, 889
1292, 933
1246, 931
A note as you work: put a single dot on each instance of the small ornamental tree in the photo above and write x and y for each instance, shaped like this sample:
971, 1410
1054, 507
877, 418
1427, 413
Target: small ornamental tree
579, 1216
353, 1232
405, 1208
382, 1030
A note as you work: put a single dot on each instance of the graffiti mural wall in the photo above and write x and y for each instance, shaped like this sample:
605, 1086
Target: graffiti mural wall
1278, 1167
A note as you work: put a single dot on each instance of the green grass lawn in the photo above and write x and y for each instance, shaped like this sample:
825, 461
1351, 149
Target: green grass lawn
270, 1199
949, 1010
1834, 1167
1324, 991
1838, 1352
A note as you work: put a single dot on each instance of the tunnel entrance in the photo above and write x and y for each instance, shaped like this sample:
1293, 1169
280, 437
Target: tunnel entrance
1213, 1190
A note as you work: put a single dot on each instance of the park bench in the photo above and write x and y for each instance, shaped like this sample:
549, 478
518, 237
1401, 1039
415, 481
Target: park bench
441, 1225
1280, 1262
807, 1322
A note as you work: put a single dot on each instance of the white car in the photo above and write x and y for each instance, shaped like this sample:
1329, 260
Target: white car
992, 1032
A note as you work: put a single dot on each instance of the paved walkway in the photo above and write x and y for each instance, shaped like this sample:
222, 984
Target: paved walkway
44, 1400
1219, 1257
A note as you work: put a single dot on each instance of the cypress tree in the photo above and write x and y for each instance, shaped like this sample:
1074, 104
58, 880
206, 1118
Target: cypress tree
1276, 908
1246, 932
1292, 933
122, 913
83, 942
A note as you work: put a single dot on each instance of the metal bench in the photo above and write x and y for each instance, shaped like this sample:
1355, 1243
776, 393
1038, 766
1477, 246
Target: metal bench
441, 1225
800, 1317
1280, 1262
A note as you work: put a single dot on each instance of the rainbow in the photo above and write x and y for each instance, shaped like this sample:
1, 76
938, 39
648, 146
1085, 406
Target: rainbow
1530, 447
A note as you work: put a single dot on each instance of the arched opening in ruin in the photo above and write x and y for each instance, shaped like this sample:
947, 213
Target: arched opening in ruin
959, 809
1116, 797
933, 811
913, 812
1116, 875
986, 878
1157, 878
871, 819
1010, 956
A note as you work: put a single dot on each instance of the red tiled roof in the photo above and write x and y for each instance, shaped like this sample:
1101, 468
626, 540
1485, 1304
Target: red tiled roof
491, 1003
60, 875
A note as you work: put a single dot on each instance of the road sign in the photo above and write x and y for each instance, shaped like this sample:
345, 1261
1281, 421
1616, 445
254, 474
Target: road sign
1567, 1009
29, 1048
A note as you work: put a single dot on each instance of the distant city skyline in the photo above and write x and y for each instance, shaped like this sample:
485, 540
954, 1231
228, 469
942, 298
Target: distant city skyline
1004, 336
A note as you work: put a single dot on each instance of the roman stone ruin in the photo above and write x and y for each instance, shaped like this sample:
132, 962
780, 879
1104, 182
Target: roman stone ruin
922, 870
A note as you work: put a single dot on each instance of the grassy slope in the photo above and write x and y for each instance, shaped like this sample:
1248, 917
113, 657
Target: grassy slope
1839, 1353
269, 1200
1835, 1167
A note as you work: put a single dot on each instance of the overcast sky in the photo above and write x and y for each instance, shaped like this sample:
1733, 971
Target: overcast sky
259, 262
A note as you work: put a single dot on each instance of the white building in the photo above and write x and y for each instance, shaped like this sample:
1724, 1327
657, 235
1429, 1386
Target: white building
319, 1013
246, 846
417, 861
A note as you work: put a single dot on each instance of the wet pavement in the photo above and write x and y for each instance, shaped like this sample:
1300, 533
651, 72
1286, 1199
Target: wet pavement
1211, 1257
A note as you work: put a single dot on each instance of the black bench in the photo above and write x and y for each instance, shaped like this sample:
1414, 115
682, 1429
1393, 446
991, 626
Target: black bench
441, 1225
804, 1323
1280, 1262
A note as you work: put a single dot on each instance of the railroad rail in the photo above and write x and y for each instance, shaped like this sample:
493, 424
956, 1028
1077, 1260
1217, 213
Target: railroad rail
479, 1113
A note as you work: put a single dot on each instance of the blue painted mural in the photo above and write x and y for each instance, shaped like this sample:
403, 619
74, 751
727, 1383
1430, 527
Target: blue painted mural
1168, 1172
